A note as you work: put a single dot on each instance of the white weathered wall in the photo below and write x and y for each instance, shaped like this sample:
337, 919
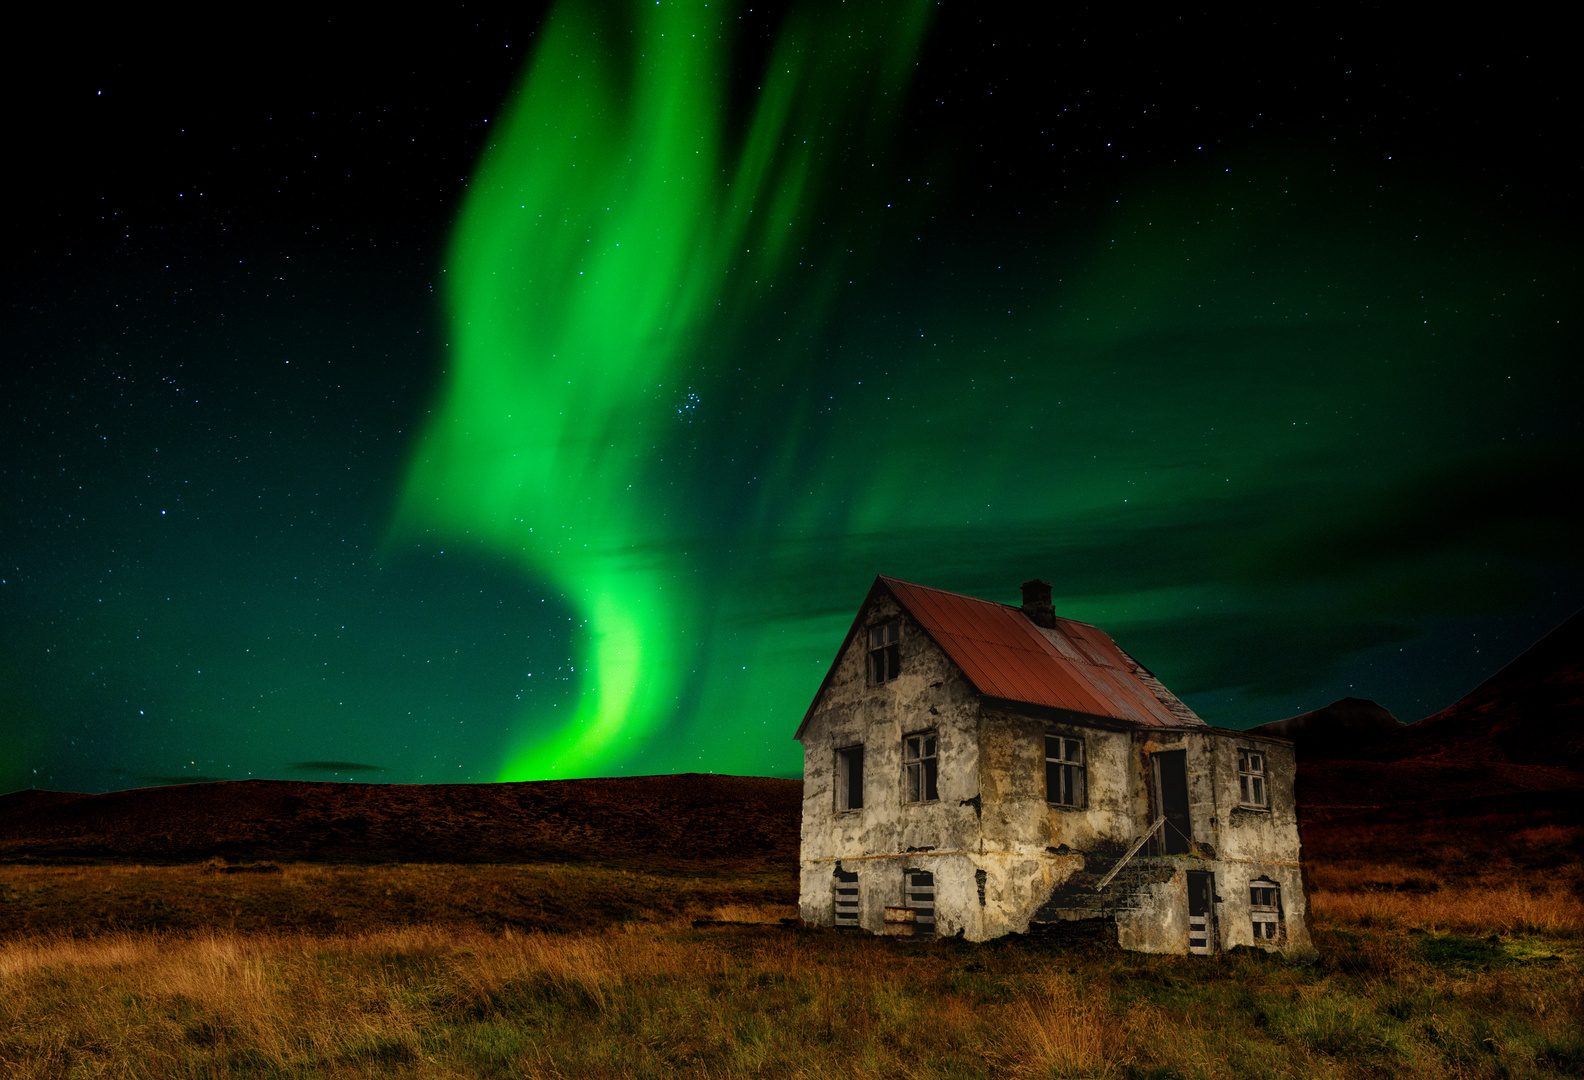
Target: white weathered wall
1031, 846
1236, 844
1161, 925
1258, 843
929, 694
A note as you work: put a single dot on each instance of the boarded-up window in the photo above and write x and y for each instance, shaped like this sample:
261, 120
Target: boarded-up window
918, 893
1251, 779
1265, 909
885, 657
850, 778
1064, 771
845, 892
919, 767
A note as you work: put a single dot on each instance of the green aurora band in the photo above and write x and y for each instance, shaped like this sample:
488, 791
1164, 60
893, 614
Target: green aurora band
609, 230
1253, 398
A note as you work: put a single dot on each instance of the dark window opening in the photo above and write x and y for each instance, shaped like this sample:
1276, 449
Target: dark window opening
1064, 771
885, 656
850, 778
919, 767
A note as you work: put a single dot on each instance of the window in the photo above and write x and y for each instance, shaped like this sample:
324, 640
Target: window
885, 658
1265, 909
844, 890
1064, 771
1251, 779
919, 768
849, 778
918, 893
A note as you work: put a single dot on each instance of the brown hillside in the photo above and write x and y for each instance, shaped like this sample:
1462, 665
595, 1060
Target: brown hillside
674, 822
1508, 758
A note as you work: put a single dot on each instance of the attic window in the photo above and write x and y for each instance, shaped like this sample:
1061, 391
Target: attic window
849, 778
1064, 771
1265, 909
885, 657
1251, 779
919, 768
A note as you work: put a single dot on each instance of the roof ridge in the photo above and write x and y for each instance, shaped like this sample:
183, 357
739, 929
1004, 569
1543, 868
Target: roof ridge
945, 592
978, 599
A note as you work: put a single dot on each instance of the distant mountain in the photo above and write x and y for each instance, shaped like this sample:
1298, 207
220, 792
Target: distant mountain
1531, 712
1504, 761
1352, 728
687, 822
1528, 714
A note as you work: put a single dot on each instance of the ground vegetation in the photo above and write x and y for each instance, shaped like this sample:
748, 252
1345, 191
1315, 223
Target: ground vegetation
310, 970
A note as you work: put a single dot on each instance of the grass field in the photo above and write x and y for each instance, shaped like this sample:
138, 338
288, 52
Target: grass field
557, 971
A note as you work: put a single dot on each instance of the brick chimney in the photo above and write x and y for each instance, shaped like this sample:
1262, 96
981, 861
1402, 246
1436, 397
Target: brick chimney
1037, 603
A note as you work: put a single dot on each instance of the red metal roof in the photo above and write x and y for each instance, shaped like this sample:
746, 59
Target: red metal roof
1074, 666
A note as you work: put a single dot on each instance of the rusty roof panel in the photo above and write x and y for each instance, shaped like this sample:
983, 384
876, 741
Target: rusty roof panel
1076, 667
1062, 644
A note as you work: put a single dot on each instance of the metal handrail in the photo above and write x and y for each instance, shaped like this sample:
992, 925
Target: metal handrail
1132, 851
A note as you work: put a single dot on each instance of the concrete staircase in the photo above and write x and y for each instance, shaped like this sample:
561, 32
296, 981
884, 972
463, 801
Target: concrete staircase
1077, 898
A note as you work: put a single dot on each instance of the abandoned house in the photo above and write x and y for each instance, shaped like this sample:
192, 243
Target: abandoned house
979, 769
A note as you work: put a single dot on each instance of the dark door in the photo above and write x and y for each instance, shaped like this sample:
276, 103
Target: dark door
918, 889
1171, 789
1201, 890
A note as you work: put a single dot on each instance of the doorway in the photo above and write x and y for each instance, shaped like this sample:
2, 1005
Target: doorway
1171, 798
918, 893
1201, 911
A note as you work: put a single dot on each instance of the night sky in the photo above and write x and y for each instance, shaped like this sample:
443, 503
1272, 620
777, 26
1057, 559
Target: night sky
497, 397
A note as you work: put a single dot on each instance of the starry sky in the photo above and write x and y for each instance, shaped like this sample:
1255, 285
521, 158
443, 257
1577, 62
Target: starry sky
512, 396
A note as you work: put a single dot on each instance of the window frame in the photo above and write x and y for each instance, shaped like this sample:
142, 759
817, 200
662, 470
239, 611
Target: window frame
921, 767
1253, 779
844, 784
1066, 771
885, 652
1265, 912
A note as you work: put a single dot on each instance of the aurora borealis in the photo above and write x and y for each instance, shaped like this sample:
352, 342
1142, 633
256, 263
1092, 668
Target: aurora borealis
1256, 343
581, 305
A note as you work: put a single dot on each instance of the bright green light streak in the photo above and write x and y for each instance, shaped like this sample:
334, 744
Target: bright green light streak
607, 230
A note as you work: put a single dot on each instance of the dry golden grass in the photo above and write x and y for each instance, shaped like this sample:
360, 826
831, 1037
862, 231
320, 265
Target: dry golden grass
1512, 909
1482, 898
1068, 1032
